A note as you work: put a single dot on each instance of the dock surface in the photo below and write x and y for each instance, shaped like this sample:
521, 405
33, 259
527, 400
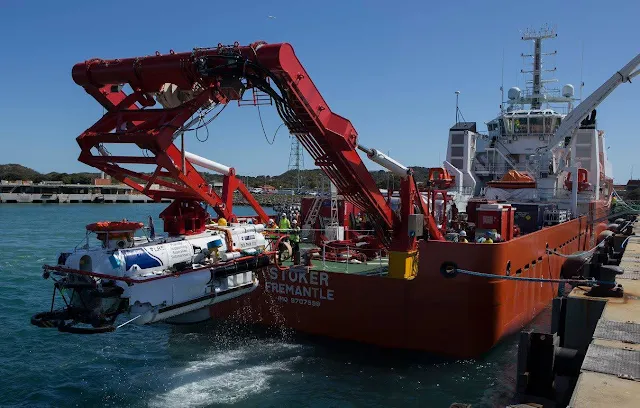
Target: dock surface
610, 373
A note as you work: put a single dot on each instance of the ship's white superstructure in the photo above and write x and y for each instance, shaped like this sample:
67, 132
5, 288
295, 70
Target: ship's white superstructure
527, 154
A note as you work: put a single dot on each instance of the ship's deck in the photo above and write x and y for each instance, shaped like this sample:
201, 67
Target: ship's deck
376, 267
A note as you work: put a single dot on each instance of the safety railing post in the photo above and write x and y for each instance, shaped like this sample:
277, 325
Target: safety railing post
348, 258
324, 251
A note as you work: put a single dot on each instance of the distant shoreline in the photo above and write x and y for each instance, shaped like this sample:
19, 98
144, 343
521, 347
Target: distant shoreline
265, 200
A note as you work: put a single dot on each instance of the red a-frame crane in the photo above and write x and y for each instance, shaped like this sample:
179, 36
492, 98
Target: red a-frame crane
192, 81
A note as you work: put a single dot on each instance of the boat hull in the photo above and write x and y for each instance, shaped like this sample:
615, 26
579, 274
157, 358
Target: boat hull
461, 316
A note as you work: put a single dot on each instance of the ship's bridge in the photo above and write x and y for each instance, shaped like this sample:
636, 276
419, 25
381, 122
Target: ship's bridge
512, 139
540, 123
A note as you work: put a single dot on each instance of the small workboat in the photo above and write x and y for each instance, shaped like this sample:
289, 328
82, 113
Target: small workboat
172, 278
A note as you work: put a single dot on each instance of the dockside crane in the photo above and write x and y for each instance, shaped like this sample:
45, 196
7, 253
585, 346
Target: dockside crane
189, 83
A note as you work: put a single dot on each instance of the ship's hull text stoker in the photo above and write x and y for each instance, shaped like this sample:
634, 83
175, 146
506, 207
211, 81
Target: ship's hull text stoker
298, 286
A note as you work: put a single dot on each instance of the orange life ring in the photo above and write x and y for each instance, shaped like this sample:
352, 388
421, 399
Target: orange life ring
108, 226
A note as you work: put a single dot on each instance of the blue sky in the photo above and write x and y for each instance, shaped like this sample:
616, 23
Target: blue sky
391, 67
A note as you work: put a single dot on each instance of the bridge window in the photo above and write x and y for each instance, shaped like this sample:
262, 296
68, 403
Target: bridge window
536, 125
520, 126
508, 124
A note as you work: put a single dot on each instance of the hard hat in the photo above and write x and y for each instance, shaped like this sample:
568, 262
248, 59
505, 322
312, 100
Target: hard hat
294, 221
463, 233
271, 221
222, 222
284, 215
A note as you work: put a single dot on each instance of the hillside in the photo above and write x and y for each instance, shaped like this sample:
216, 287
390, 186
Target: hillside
13, 172
310, 179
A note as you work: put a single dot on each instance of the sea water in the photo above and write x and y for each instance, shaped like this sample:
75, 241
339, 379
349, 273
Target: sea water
205, 365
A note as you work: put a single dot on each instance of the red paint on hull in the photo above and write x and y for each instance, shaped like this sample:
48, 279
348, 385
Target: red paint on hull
462, 316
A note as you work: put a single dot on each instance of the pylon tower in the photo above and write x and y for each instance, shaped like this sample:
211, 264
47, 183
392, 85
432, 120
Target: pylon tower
296, 159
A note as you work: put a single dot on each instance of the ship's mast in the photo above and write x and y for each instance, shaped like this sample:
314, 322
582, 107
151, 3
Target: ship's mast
538, 94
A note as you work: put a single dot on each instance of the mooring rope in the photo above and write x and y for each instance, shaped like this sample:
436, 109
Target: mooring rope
574, 255
527, 279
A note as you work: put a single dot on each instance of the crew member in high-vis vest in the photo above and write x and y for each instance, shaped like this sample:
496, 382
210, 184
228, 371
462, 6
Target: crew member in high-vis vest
294, 239
272, 228
284, 223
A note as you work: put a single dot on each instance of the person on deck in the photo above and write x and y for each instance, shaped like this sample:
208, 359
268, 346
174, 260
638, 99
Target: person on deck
272, 229
454, 212
294, 239
284, 223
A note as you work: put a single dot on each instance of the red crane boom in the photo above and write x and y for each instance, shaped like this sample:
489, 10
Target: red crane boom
217, 75
186, 83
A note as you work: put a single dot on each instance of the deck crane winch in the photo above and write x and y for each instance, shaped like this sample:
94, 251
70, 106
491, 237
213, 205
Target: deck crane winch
186, 84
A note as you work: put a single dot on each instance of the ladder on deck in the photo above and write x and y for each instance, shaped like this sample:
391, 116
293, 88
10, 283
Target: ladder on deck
312, 216
257, 98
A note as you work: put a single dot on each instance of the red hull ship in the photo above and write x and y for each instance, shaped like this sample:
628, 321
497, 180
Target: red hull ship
523, 211
431, 309
461, 316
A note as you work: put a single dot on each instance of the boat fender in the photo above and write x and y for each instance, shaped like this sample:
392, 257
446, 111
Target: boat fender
228, 256
449, 269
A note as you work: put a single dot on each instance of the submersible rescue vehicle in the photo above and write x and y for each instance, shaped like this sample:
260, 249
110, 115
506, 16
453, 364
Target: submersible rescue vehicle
423, 299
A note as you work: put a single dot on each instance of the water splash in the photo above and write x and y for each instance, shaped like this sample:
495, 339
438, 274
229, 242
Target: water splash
228, 376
